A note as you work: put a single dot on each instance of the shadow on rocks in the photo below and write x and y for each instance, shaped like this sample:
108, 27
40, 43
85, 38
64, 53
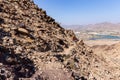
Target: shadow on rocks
13, 66
3, 34
1, 20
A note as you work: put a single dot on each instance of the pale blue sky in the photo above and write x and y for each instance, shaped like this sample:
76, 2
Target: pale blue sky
72, 12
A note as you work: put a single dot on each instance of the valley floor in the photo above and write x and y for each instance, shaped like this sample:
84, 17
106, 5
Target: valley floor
101, 42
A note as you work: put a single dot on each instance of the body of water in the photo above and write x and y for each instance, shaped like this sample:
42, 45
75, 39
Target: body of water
96, 37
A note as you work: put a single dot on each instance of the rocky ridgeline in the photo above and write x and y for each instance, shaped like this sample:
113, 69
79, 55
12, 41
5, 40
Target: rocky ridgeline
33, 46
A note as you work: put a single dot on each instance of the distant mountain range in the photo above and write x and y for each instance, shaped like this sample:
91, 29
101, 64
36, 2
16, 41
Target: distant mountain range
73, 27
106, 26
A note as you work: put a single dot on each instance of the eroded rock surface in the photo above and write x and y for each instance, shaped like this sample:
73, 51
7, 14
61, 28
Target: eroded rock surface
34, 47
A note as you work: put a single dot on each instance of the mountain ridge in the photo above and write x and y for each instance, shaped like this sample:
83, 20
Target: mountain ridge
32, 45
96, 27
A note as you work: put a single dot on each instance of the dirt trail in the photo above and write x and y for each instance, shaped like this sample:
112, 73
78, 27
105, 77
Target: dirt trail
34, 46
30, 41
68, 51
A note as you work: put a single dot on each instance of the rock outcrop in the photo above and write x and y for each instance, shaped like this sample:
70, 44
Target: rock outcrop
33, 46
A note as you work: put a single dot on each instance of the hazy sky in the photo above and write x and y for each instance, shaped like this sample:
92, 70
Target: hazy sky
73, 12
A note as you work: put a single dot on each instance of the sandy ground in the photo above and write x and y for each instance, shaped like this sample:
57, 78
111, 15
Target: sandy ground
101, 42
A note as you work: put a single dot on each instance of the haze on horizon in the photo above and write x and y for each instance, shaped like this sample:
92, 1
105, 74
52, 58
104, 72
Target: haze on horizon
77, 12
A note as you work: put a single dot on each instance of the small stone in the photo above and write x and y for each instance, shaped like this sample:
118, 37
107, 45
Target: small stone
22, 30
18, 49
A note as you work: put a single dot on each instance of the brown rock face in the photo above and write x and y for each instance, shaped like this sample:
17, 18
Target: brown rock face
33, 46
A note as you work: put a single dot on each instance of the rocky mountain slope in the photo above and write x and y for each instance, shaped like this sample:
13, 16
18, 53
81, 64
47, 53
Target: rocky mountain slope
33, 46
109, 55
